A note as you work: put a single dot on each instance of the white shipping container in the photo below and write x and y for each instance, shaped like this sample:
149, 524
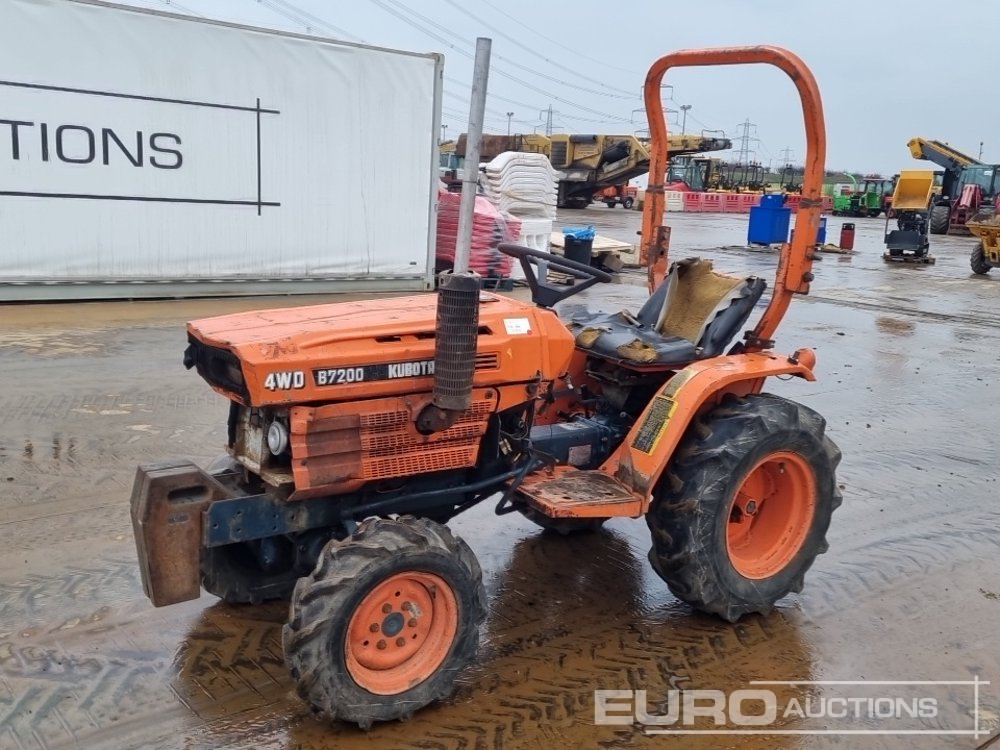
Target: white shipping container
145, 154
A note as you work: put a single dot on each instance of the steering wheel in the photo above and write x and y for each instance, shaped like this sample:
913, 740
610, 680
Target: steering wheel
543, 293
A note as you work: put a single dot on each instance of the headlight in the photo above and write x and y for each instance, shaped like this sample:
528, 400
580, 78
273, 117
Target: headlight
277, 438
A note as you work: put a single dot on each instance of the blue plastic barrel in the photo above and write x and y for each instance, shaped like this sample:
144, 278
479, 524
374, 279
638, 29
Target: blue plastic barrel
769, 221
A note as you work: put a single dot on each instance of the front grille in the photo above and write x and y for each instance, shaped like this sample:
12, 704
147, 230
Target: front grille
559, 154
488, 361
335, 446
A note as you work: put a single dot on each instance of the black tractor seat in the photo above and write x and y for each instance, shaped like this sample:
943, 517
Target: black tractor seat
695, 313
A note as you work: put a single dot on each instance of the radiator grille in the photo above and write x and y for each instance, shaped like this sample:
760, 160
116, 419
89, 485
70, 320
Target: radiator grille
337, 447
559, 154
488, 361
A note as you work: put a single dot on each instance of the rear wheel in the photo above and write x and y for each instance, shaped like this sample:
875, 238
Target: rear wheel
744, 508
874, 213
385, 622
978, 260
938, 222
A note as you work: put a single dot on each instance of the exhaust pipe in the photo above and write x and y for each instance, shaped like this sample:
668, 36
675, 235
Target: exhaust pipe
456, 338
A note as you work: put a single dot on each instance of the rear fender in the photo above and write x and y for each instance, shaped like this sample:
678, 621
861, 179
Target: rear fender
646, 451
168, 506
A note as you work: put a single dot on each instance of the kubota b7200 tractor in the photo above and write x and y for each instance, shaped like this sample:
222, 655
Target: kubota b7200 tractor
358, 429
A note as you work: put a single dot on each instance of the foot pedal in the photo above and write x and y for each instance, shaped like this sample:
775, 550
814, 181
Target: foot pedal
580, 494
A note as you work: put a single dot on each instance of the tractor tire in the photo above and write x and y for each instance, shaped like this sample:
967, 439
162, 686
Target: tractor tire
628, 202
743, 510
563, 526
385, 622
939, 219
874, 213
978, 260
233, 574
610, 204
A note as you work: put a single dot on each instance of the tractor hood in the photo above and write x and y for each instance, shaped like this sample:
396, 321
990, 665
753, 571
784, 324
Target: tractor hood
366, 349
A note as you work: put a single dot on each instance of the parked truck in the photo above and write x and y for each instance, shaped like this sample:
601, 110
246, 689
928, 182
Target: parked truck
228, 169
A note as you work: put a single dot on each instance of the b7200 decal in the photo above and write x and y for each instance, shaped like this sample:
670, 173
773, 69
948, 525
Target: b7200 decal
339, 375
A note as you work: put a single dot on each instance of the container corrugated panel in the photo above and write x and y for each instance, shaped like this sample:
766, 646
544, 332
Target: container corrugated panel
255, 157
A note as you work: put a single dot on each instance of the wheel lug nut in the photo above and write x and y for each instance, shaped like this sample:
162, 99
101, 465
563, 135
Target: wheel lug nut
381, 645
413, 622
387, 608
751, 508
400, 641
373, 628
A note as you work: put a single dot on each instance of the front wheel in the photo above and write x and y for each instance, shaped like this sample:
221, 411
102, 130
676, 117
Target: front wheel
628, 202
385, 622
978, 260
939, 218
743, 510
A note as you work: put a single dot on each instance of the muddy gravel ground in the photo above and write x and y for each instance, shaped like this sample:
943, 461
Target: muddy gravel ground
909, 590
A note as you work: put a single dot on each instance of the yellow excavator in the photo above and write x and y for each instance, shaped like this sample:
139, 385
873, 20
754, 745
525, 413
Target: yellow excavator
589, 163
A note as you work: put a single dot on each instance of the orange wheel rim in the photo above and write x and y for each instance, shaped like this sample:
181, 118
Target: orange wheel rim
770, 515
401, 632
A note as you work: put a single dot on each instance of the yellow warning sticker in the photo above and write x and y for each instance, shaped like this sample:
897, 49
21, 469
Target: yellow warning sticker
654, 425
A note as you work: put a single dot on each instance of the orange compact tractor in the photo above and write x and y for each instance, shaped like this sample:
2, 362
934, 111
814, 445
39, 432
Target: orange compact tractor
357, 430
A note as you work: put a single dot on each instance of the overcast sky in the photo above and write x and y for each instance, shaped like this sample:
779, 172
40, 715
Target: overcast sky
887, 70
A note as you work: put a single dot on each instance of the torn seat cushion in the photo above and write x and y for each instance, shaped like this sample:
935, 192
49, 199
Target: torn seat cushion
694, 314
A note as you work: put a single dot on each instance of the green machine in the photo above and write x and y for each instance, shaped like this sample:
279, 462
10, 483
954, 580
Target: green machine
870, 199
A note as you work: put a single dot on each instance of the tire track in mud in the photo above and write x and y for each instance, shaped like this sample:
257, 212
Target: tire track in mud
574, 632
56, 455
91, 519
100, 679
52, 601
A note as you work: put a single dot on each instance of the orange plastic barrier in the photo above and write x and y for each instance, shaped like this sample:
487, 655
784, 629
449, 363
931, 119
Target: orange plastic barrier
732, 203
711, 203
693, 202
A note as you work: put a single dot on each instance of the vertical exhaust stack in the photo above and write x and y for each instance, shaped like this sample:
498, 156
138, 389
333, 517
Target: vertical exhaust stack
456, 335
